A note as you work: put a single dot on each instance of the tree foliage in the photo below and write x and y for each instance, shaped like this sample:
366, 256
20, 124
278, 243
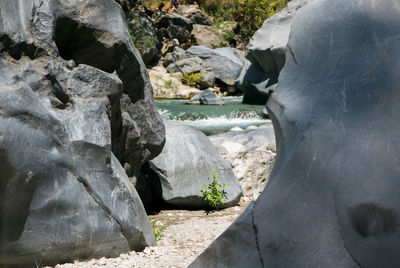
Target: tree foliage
252, 13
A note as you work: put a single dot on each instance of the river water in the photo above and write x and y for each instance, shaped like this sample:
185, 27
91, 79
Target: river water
213, 119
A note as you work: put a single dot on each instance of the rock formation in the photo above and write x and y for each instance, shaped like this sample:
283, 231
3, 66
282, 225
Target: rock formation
208, 62
332, 199
266, 55
206, 97
185, 165
195, 14
72, 89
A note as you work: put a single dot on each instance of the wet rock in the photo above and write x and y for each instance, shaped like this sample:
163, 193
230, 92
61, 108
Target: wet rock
65, 66
185, 166
266, 53
333, 196
206, 97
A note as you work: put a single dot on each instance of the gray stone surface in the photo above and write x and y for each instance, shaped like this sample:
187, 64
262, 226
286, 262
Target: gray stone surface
185, 166
210, 61
333, 196
65, 65
266, 53
250, 139
195, 14
206, 97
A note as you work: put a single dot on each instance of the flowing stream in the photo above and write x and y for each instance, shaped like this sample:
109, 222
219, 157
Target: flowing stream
213, 119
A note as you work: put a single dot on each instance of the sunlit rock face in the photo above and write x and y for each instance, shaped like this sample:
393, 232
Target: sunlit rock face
266, 55
333, 197
73, 90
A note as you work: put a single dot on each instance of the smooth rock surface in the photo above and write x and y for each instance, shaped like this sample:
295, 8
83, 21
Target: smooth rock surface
185, 166
266, 53
204, 59
65, 66
333, 197
206, 97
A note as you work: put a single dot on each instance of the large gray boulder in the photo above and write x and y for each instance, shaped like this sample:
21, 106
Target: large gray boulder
333, 199
186, 164
206, 60
266, 54
65, 65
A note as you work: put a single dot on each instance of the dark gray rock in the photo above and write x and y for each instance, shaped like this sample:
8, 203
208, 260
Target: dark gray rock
174, 26
185, 166
164, 20
63, 194
177, 32
266, 53
333, 196
255, 84
206, 60
195, 14
206, 97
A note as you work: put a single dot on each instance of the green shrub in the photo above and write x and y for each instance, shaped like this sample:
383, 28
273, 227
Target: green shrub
192, 79
214, 193
252, 13
157, 229
138, 33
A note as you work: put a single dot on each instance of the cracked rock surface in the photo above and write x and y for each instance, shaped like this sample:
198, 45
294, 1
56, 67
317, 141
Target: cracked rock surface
71, 82
333, 196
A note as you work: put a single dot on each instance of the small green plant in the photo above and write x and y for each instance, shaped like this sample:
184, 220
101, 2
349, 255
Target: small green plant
230, 37
168, 83
214, 193
157, 229
140, 36
192, 79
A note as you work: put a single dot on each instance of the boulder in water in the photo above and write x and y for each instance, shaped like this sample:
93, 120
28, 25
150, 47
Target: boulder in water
333, 199
206, 97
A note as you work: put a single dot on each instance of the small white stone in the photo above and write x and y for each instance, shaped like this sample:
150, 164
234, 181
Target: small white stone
236, 129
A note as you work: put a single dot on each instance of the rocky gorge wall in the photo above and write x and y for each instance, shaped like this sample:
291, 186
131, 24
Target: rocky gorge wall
74, 92
332, 199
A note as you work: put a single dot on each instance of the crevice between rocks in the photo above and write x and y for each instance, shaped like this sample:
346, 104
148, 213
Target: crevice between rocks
292, 53
256, 235
97, 200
